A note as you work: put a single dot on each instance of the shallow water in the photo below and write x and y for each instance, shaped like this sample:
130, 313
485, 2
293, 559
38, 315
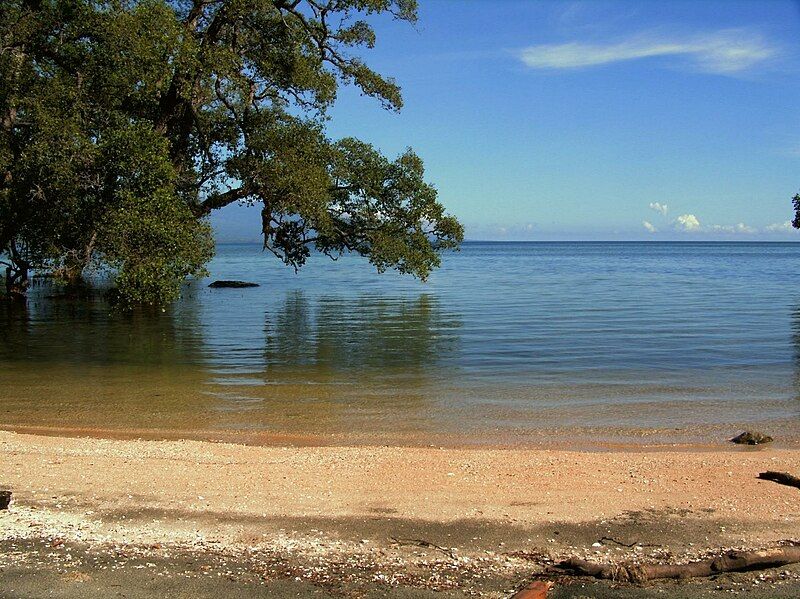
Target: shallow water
507, 343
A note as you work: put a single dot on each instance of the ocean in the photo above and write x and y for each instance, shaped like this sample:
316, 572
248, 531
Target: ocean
573, 344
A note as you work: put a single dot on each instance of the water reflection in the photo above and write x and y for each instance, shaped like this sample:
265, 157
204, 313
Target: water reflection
74, 363
49, 330
303, 334
331, 363
796, 349
353, 334
15, 317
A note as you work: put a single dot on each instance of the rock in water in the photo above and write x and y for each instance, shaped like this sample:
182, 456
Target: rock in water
5, 499
232, 284
751, 438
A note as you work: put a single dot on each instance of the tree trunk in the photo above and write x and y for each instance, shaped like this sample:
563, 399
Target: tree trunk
17, 279
16, 272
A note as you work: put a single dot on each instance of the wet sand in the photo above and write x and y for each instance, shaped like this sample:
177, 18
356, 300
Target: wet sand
376, 521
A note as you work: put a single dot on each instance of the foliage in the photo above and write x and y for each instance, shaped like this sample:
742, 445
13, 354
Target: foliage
150, 235
125, 123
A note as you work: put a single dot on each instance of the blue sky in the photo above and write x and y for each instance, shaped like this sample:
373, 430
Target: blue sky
592, 120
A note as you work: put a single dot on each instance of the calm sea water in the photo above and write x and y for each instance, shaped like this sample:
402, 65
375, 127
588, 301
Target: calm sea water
507, 343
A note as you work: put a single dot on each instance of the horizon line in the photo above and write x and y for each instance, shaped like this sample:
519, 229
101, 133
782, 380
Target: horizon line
765, 241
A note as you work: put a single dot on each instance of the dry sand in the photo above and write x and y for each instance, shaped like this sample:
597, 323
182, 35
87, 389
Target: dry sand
375, 521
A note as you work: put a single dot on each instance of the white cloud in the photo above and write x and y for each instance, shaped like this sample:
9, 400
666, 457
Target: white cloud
649, 226
737, 228
731, 229
659, 207
779, 227
723, 52
687, 222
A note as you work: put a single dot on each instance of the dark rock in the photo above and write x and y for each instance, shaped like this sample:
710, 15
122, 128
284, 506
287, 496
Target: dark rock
232, 284
5, 499
751, 438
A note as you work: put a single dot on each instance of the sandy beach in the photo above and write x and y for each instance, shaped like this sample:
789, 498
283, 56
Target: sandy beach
406, 299
376, 521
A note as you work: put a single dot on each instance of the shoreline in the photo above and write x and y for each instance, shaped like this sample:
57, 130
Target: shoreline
574, 440
501, 515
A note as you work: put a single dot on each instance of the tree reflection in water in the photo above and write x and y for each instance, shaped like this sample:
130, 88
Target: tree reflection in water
368, 333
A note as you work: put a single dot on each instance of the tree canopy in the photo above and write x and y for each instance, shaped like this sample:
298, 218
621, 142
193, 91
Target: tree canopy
125, 123
796, 205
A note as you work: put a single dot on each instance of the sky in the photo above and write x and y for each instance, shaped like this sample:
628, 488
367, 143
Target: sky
591, 120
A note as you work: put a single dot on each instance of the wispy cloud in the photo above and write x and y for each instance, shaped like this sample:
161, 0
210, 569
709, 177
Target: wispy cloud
779, 227
689, 223
649, 226
725, 52
737, 228
659, 207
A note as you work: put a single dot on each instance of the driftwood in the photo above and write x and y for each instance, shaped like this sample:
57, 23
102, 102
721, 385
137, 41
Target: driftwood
732, 561
783, 478
607, 540
535, 590
423, 543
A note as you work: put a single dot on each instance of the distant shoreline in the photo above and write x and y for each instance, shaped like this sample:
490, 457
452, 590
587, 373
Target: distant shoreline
592, 241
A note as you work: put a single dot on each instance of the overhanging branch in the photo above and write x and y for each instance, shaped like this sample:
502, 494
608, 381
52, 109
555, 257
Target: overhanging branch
220, 200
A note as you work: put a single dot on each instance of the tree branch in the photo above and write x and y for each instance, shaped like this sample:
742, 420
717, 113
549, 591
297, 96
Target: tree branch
220, 200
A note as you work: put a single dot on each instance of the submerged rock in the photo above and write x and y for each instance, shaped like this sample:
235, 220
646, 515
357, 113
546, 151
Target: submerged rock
233, 284
751, 438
